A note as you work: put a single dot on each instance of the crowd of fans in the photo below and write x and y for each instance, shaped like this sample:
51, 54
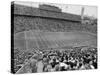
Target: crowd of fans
22, 23
60, 60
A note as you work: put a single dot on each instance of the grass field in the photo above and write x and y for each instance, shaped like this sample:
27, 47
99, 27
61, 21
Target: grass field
28, 40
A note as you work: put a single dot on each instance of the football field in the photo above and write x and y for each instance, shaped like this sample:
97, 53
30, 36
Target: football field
32, 39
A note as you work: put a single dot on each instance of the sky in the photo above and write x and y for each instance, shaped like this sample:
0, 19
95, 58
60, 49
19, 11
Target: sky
67, 8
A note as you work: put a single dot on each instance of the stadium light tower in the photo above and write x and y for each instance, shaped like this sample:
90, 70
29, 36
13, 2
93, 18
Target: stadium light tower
82, 14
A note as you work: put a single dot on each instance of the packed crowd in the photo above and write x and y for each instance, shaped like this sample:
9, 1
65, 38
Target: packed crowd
53, 25
61, 60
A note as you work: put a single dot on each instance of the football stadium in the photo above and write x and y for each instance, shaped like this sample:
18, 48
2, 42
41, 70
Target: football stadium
45, 39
